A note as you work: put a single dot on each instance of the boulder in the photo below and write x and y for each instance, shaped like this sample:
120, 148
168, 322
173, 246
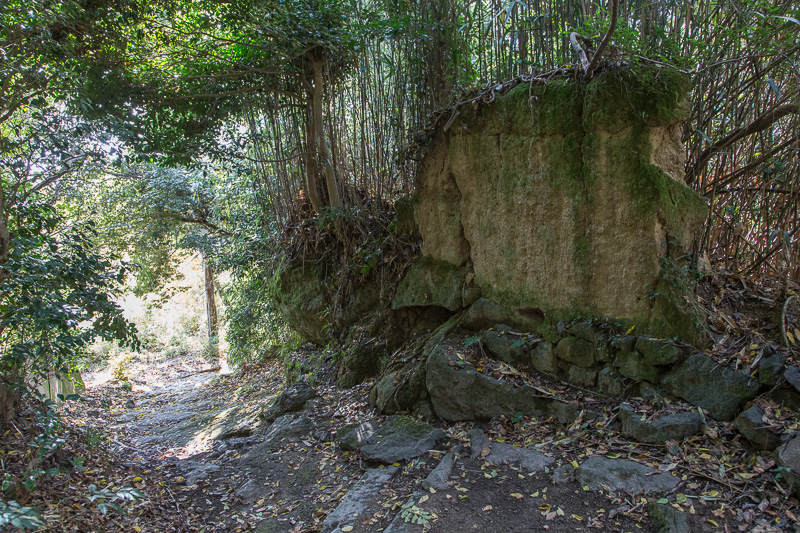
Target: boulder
506, 348
771, 368
500, 453
353, 436
792, 375
753, 427
620, 475
459, 392
701, 381
544, 359
786, 396
292, 399
625, 343
657, 351
298, 292
666, 519
633, 365
675, 426
583, 377
528, 460
609, 382
290, 428
400, 438
575, 351
584, 331
401, 390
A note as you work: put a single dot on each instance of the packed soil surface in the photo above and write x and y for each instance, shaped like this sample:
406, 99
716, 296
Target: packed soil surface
196, 433
179, 445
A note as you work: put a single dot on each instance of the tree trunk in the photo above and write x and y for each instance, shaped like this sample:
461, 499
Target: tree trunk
5, 237
312, 178
319, 136
9, 396
211, 307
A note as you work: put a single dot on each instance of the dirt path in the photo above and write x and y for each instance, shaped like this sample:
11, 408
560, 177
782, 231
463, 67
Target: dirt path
230, 470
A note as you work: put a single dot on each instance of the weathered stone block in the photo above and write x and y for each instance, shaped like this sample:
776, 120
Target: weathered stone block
674, 426
771, 368
753, 427
506, 348
583, 330
602, 473
575, 351
400, 438
634, 366
544, 359
657, 351
541, 211
609, 382
626, 343
299, 295
431, 282
583, 377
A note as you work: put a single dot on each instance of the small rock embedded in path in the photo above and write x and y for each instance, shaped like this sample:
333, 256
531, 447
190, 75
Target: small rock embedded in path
675, 426
353, 436
400, 438
358, 499
438, 477
602, 473
288, 428
196, 471
500, 453
752, 426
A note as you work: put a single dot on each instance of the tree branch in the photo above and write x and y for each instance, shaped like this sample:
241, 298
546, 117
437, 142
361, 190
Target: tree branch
596, 57
206, 224
762, 122
573, 39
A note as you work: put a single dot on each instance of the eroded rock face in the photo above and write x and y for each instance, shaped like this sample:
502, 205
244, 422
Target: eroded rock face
555, 187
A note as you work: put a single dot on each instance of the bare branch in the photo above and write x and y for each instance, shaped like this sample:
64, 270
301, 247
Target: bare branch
573, 39
596, 58
762, 122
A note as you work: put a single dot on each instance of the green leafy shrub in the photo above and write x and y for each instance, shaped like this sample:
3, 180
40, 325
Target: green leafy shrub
58, 296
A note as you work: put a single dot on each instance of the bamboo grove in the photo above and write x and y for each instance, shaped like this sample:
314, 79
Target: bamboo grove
742, 146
